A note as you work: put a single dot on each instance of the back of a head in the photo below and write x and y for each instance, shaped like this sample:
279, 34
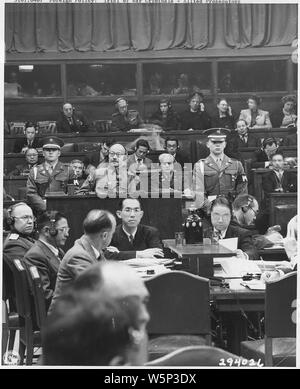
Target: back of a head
243, 200
98, 220
86, 328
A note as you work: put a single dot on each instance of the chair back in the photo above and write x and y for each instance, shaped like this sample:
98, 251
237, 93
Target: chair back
179, 304
17, 128
38, 296
280, 311
22, 289
102, 125
197, 356
46, 127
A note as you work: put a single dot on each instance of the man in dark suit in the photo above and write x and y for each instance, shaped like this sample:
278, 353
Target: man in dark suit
30, 141
71, 121
262, 157
99, 157
98, 227
47, 252
172, 147
278, 179
239, 138
31, 156
132, 239
221, 228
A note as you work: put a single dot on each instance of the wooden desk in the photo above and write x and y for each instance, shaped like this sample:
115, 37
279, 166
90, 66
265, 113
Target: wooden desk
13, 186
164, 214
284, 207
198, 259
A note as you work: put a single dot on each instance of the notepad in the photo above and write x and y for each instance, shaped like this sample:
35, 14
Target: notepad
229, 243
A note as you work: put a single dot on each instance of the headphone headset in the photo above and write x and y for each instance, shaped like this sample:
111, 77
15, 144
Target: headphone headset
52, 228
10, 219
120, 99
245, 208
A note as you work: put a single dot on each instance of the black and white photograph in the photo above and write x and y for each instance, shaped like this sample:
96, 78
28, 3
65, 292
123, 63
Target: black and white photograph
149, 165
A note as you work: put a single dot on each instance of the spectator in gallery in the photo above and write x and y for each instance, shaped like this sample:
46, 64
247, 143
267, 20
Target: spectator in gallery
103, 317
155, 83
71, 120
255, 117
165, 116
287, 115
31, 157
125, 119
29, 141
262, 157
224, 117
195, 117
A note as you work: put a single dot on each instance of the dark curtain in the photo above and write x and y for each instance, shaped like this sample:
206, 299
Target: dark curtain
103, 27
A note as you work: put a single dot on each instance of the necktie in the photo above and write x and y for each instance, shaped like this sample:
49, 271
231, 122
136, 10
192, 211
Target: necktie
117, 179
219, 162
50, 170
131, 239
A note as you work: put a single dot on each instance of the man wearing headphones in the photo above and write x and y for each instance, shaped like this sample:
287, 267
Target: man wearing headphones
20, 221
50, 176
138, 160
172, 147
47, 252
71, 120
23, 144
125, 119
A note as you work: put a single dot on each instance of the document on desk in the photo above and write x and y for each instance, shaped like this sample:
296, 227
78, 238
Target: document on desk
254, 284
230, 243
237, 267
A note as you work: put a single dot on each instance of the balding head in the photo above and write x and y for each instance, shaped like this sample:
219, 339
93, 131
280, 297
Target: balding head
117, 155
22, 218
99, 226
166, 162
68, 109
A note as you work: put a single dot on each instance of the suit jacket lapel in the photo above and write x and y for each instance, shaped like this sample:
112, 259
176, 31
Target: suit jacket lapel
53, 260
87, 246
58, 168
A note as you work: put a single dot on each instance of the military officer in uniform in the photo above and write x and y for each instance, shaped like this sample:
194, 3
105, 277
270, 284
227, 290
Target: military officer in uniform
125, 119
50, 176
20, 221
218, 174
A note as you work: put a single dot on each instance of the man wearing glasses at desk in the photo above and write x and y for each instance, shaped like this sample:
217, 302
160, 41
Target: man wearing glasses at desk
50, 176
109, 179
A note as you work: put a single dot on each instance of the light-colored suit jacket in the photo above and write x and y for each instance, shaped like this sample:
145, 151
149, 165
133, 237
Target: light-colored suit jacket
262, 118
80, 257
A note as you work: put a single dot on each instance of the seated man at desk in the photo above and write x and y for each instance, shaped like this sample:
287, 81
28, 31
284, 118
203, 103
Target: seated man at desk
71, 120
23, 144
138, 159
221, 228
111, 178
133, 239
99, 157
245, 211
31, 157
80, 176
278, 179
124, 119
50, 176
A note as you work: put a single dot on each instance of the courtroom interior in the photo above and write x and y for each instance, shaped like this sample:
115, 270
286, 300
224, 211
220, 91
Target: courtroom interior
150, 185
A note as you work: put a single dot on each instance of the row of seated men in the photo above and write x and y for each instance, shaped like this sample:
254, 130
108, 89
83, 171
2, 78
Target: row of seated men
130, 242
111, 170
195, 117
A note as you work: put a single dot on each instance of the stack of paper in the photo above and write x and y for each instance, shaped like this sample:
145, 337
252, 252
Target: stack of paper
237, 267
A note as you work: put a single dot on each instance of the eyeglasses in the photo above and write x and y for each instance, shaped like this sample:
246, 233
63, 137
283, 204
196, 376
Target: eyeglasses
112, 154
25, 217
64, 229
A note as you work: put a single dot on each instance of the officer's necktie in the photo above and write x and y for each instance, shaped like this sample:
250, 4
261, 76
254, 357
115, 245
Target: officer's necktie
131, 239
50, 170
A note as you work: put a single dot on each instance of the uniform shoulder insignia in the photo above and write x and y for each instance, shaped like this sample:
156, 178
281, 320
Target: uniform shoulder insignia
13, 236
